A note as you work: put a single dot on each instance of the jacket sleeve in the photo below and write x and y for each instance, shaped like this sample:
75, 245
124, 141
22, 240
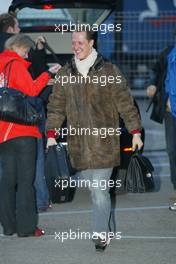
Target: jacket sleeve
155, 73
124, 104
22, 80
56, 107
159, 68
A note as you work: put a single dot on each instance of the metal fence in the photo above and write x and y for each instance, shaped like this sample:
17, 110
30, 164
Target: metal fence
139, 43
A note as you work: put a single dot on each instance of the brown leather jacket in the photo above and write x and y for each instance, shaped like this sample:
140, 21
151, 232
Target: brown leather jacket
95, 107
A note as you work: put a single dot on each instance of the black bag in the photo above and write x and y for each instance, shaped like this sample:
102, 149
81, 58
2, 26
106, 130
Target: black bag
139, 174
158, 101
17, 107
58, 172
159, 107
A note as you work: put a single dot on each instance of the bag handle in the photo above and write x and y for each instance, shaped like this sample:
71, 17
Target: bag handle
145, 162
48, 47
137, 151
7, 76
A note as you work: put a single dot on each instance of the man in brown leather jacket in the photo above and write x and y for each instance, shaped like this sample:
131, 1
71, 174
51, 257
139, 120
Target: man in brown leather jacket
91, 92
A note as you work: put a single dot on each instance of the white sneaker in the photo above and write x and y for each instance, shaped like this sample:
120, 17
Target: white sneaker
172, 207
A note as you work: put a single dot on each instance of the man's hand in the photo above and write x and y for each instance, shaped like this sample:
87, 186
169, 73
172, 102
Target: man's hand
137, 142
51, 142
168, 105
151, 90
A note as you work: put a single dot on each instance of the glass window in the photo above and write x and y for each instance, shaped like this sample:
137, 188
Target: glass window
31, 17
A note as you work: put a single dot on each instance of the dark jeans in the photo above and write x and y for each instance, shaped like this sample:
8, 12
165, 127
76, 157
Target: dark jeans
17, 197
170, 131
42, 195
0, 169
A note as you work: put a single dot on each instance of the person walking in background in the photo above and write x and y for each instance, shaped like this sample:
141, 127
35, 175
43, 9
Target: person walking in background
18, 144
89, 105
162, 89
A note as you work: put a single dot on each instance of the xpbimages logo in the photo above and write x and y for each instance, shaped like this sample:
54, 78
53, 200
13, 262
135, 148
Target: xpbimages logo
82, 183
102, 132
74, 235
102, 28
103, 80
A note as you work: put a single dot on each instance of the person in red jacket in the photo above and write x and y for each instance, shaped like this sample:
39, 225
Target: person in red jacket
18, 145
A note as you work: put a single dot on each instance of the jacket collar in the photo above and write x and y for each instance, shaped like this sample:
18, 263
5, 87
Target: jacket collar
14, 55
99, 62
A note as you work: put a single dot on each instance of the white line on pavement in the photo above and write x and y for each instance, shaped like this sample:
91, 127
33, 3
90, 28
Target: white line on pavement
117, 209
123, 237
155, 154
166, 164
148, 237
154, 132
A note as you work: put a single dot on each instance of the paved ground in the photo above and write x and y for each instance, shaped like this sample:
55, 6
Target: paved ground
147, 227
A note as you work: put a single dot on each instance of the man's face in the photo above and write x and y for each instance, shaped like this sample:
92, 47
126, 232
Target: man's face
81, 46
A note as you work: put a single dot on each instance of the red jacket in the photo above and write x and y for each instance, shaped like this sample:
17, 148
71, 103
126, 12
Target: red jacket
20, 79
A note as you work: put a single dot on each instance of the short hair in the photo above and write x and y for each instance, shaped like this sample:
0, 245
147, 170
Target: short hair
6, 20
19, 40
90, 34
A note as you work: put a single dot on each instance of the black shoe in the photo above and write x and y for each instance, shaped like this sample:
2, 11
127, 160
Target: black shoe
25, 235
100, 242
42, 209
100, 247
8, 233
37, 233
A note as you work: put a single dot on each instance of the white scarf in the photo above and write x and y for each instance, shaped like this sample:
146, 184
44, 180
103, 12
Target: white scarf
83, 66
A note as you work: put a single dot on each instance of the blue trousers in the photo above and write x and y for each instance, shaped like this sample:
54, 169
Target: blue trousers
42, 195
170, 132
98, 185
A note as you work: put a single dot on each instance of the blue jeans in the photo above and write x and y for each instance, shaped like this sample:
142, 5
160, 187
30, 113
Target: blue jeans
100, 196
170, 130
42, 195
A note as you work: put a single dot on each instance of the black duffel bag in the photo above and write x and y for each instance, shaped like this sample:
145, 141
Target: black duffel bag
17, 107
139, 176
58, 173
